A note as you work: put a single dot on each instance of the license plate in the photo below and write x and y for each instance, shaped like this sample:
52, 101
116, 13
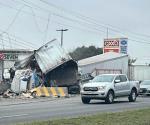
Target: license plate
89, 93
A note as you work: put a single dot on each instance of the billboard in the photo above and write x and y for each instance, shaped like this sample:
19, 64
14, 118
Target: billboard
118, 45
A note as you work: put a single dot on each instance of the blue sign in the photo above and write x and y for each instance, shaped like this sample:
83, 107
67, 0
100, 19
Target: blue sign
124, 42
123, 45
123, 49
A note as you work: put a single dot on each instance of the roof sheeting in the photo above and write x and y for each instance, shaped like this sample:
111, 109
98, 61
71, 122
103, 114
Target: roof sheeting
142, 62
48, 57
101, 58
51, 56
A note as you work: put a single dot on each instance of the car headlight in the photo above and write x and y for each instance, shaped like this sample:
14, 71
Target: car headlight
101, 87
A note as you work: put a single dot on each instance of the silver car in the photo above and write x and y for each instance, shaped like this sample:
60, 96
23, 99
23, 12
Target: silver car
145, 87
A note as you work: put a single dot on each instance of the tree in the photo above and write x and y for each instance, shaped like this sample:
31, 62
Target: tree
85, 52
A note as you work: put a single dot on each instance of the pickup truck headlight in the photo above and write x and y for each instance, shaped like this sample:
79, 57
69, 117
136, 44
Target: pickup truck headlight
101, 87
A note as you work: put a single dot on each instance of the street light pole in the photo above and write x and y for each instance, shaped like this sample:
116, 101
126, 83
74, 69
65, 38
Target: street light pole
62, 30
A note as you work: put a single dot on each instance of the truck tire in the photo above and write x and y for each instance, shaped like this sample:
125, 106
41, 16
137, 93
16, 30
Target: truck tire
85, 100
132, 96
75, 89
110, 97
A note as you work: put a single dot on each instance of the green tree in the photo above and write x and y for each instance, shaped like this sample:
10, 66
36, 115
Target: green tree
85, 52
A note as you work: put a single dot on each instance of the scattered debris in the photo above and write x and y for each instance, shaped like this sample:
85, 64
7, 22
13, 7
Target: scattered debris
8, 94
49, 66
27, 95
4, 87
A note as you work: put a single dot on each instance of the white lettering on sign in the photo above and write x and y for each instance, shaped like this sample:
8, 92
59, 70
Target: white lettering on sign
111, 43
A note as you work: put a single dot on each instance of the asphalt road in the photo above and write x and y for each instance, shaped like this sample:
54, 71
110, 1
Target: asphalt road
62, 108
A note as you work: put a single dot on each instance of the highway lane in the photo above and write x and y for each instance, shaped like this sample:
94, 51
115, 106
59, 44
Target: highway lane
62, 108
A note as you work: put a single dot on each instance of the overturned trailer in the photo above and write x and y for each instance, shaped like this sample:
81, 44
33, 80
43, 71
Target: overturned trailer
57, 67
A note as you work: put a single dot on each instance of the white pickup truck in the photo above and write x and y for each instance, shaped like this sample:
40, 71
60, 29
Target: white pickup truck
108, 87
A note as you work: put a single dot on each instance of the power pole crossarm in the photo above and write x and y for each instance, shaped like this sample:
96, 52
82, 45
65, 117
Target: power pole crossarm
62, 30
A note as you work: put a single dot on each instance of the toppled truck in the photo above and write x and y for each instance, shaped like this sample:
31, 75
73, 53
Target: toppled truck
50, 66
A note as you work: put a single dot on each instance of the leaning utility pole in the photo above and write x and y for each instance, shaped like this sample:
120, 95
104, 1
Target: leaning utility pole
62, 30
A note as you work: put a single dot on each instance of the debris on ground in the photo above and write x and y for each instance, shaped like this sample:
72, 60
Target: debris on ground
27, 95
49, 66
8, 94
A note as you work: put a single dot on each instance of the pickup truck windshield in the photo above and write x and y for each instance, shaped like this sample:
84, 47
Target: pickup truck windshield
103, 78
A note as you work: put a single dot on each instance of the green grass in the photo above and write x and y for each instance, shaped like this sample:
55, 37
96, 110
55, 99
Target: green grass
136, 117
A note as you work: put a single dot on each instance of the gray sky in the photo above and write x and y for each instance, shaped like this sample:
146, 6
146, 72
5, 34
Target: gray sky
87, 21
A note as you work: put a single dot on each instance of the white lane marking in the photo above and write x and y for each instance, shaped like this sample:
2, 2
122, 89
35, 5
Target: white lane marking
10, 116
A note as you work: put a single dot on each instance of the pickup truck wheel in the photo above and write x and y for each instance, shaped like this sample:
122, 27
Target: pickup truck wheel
132, 96
110, 97
85, 100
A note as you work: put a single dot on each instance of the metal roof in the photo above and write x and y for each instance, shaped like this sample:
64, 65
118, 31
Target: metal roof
16, 51
101, 58
142, 62
51, 55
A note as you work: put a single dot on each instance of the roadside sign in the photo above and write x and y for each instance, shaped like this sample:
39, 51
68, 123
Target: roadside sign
123, 45
111, 43
8, 56
118, 45
1, 56
111, 50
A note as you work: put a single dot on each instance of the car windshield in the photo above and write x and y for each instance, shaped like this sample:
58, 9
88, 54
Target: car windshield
145, 83
103, 78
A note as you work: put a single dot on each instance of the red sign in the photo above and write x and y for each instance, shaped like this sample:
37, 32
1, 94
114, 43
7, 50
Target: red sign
1, 56
118, 45
111, 43
111, 50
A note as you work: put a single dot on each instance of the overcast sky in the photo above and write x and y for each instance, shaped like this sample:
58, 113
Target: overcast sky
36, 22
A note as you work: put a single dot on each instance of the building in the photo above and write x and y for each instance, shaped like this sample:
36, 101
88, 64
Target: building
140, 70
8, 57
109, 62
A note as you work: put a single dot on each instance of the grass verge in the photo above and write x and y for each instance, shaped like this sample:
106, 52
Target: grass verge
136, 117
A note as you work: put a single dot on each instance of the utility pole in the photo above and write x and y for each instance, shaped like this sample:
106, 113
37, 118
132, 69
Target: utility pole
107, 33
62, 30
